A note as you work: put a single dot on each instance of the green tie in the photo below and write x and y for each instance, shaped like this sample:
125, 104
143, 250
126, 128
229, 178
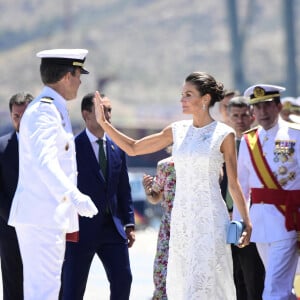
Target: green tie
102, 157
237, 145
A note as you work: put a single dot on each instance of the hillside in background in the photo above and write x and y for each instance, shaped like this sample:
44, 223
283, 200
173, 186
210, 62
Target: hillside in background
140, 51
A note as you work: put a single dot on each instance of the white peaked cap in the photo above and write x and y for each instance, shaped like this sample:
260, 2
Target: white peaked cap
71, 57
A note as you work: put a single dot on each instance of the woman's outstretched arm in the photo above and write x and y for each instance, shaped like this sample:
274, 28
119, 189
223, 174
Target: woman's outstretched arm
132, 147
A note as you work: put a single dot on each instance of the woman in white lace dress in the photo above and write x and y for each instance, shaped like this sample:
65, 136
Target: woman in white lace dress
200, 262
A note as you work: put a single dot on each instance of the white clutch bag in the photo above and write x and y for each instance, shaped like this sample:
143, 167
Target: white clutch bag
234, 232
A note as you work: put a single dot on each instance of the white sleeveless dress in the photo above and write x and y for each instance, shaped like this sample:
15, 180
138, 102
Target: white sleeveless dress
200, 262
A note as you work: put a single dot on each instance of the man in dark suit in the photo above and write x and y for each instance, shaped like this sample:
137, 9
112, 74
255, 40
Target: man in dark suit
11, 262
111, 232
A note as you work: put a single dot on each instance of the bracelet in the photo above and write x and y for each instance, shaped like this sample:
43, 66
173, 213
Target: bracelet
150, 194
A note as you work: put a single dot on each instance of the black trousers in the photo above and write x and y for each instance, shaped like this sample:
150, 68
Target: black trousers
11, 266
111, 249
248, 272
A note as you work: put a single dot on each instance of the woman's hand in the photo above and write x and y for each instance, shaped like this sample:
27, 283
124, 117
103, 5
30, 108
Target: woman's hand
99, 109
246, 235
152, 196
147, 183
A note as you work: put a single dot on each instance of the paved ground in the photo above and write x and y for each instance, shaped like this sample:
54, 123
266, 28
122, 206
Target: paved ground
141, 256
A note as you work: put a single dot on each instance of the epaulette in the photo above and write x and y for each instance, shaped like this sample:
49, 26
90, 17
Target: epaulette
48, 100
251, 129
294, 125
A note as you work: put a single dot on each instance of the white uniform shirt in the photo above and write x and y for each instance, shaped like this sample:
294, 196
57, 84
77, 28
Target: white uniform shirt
47, 166
268, 222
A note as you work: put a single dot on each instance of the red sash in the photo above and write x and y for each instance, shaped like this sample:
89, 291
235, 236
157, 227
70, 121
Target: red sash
290, 200
72, 236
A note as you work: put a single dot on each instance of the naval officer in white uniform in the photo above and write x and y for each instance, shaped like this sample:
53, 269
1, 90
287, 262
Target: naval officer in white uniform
269, 173
47, 202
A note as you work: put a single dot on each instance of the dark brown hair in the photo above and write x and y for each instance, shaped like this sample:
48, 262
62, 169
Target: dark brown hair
206, 84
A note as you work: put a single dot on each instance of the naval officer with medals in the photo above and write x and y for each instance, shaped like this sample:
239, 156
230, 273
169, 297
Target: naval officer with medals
269, 173
47, 202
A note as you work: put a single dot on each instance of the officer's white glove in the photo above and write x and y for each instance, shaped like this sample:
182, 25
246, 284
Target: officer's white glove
84, 205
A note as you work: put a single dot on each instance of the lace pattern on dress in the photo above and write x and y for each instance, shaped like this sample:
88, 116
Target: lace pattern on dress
200, 262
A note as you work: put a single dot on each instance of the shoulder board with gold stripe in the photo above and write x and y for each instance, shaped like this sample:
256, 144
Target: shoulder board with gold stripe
251, 129
48, 100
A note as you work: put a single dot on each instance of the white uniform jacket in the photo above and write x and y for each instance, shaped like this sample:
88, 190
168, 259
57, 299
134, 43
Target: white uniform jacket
281, 148
47, 166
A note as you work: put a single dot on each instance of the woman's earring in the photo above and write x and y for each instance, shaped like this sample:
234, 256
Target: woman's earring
203, 106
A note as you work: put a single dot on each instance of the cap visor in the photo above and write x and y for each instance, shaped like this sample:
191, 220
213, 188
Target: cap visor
84, 71
255, 101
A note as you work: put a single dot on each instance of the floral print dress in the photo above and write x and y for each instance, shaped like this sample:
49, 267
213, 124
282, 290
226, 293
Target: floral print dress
164, 181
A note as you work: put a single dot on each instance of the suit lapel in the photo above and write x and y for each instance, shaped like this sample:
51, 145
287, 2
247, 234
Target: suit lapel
90, 157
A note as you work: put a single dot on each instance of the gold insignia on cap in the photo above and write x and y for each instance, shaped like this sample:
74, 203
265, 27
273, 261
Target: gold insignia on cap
261, 95
287, 105
77, 64
258, 92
